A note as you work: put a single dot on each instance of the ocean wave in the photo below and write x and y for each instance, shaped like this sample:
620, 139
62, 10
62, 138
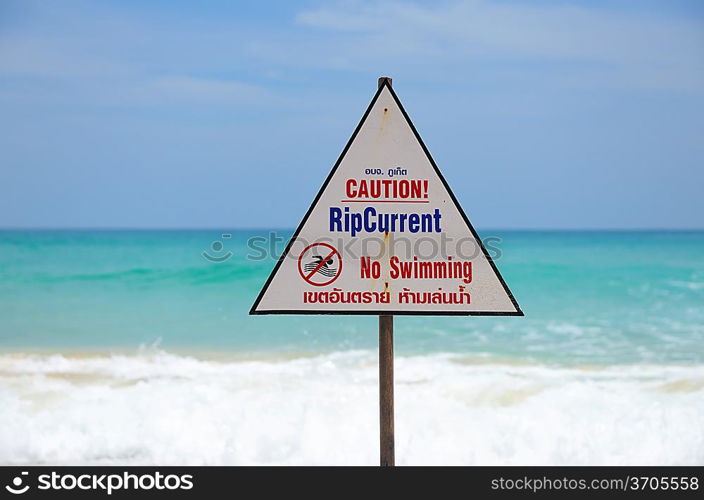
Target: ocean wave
694, 286
194, 275
155, 407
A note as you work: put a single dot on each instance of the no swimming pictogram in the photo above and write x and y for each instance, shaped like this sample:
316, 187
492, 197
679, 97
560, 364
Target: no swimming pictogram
320, 264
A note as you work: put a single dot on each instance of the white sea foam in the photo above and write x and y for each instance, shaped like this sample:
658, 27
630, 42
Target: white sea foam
160, 408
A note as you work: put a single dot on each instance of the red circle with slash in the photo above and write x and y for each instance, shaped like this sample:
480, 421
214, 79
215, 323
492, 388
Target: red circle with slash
319, 269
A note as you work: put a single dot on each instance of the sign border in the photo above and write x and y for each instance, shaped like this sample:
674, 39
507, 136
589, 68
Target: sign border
253, 310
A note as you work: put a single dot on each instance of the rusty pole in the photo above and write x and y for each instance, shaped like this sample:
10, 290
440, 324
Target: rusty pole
386, 379
386, 391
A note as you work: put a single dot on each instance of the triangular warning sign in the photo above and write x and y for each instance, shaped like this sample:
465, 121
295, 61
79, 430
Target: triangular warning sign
385, 235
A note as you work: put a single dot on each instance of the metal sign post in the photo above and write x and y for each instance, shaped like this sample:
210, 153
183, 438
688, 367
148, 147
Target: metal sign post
386, 391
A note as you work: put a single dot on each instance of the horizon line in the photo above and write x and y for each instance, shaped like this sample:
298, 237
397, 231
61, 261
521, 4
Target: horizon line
281, 228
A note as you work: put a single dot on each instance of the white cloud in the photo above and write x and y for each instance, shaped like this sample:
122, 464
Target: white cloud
50, 58
642, 49
189, 87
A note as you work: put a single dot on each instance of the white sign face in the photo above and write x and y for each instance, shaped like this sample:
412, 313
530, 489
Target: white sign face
385, 235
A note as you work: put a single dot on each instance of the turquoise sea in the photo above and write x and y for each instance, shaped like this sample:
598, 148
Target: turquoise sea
113, 344
589, 297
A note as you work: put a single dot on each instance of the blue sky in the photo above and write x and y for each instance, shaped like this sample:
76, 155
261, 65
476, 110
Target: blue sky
168, 114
